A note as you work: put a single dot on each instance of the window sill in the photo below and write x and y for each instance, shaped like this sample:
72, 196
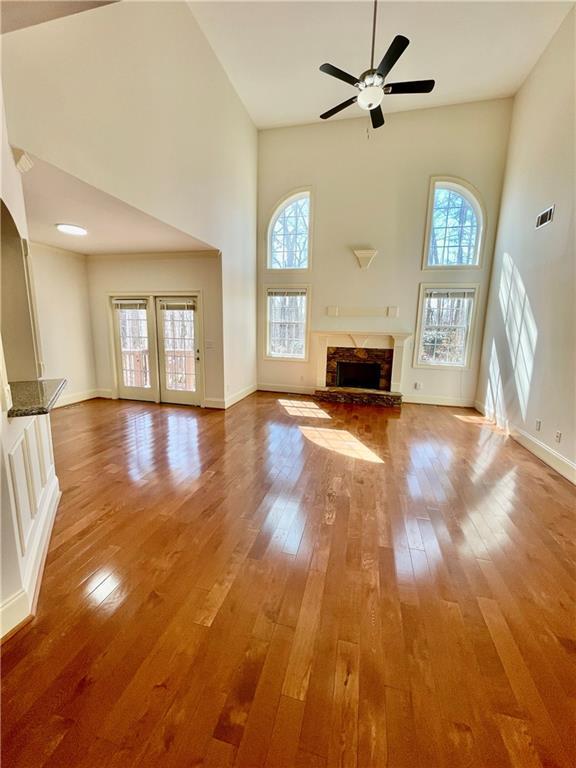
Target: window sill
286, 359
449, 267
432, 367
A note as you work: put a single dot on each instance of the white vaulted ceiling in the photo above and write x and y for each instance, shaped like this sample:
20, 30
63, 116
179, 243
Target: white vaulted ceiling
271, 51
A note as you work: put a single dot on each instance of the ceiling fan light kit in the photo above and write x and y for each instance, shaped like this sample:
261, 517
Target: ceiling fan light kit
371, 84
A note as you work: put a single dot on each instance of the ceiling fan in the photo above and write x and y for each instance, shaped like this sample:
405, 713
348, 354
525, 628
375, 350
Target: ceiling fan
371, 84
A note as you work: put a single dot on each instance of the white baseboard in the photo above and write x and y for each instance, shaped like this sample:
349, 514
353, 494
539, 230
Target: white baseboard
22, 605
480, 407
459, 402
214, 402
548, 455
13, 611
287, 388
80, 397
233, 399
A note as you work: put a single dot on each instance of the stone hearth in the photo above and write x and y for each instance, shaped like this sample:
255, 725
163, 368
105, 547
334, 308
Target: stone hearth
359, 396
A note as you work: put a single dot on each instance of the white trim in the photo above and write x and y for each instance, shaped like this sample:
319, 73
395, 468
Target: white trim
467, 190
293, 195
240, 395
548, 455
286, 388
50, 498
13, 611
216, 402
20, 606
77, 397
458, 402
480, 407
471, 338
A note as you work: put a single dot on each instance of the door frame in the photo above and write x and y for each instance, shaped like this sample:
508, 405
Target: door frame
180, 395
153, 336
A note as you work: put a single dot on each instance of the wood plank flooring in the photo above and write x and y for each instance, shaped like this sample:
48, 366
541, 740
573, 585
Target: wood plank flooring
295, 585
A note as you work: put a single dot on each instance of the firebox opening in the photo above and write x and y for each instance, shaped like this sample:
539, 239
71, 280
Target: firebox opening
364, 375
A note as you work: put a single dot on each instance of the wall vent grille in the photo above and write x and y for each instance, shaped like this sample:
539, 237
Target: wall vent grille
545, 217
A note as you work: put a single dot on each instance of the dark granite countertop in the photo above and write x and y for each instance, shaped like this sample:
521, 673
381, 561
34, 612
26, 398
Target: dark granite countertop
33, 398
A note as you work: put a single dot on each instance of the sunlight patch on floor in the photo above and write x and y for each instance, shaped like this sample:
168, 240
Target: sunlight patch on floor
342, 442
303, 408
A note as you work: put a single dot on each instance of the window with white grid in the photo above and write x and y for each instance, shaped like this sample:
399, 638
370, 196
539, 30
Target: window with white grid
179, 356
445, 325
455, 227
289, 234
134, 345
286, 322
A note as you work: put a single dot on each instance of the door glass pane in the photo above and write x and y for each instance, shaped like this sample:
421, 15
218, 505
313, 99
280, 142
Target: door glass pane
134, 348
179, 349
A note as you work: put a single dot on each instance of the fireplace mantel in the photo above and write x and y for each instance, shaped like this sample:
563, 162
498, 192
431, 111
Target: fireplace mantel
392, 340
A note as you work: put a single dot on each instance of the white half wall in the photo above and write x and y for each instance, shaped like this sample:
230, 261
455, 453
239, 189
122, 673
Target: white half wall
154, 274
63, 310
371, 192
528, 366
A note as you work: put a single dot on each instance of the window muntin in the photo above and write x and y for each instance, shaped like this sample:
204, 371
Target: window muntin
286, 313
445, 325
455, 227
289, 234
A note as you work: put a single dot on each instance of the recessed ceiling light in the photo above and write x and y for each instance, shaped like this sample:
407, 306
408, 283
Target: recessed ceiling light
72, 229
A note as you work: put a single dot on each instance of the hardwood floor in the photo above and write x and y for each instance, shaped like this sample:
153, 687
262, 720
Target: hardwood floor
288, 584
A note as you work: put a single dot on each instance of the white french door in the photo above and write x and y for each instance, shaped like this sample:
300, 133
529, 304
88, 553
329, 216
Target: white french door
178, 350
157, 346
135, 349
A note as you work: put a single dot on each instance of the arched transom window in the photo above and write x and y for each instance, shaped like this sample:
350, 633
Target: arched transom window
454, 226
289, 234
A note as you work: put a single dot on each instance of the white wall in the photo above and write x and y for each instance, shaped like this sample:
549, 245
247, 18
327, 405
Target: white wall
63, 310
153, 274
131, 99
529, 374
10, 181
373, 193
29, 491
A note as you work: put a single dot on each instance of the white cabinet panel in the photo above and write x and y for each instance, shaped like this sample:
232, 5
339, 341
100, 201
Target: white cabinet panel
35, 484
39, 429
19, 477
46, 444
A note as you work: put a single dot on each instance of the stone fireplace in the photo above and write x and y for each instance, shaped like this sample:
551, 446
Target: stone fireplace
360, 367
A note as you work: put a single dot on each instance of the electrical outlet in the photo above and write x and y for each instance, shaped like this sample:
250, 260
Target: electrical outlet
558, 436
417, 385
538, 425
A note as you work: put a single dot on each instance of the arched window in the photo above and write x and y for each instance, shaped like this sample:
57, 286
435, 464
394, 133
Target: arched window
455, 224
289, 234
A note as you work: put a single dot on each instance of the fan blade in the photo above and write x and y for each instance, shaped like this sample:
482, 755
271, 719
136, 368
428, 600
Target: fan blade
339, 108
339, 73
377, 117
410, 86
397, 48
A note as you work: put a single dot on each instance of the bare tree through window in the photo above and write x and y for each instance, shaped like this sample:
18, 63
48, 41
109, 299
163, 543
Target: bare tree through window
454, 229
287, 323
445, 326
289, 234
